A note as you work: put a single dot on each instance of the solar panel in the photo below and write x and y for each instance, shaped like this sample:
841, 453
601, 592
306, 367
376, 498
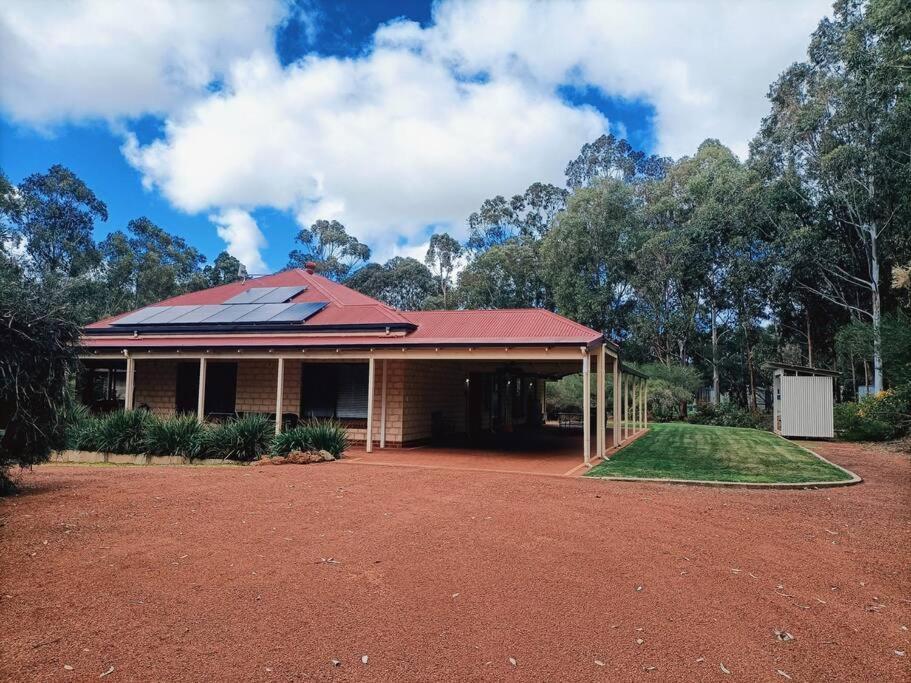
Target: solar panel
250, 296
168, 314
281, 294
263, 312
223, 314
230, 314
299, 312
266, 295
140, 315
199, 314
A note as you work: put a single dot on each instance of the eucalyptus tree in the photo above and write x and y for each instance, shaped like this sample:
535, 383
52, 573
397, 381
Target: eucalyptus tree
611, 157
402, 282
55, 216
838, 138
588, 255
443, 256
328, 244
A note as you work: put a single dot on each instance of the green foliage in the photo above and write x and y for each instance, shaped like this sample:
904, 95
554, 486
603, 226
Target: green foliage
443, 254
403, 282
507, 275
564, 395
313, 435
328, 244
588, 252
244, 439
884, 416
57, 213
665, 399
177, 435
855, 341
37, 354
122, 431
729, 415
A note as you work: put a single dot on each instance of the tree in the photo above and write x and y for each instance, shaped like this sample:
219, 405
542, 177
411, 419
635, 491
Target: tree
57, 214
588, 256
39, 341
10, 211
527, 215
223, 271
609, 157
507, 275
402, 282
443, 254
147, 264
838, 138
328, 244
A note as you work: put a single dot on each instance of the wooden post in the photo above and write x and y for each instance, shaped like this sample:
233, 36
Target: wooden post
279, 392
371, 369
645, 404
383, 409
600, 402
201, 399
627, 391
131, 379
586, 408
617, 383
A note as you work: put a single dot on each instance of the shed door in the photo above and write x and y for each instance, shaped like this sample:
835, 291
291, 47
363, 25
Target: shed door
807, 407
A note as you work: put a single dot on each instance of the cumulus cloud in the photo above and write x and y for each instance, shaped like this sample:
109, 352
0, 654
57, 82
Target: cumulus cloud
415, 131
243, 237
388, 143
106, 59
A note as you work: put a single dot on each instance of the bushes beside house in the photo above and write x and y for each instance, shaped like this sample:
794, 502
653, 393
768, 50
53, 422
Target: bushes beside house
245, 439
887, 415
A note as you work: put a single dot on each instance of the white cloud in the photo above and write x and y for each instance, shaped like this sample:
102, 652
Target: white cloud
108, 58
416, 131
704, 65
388, 143
243, 237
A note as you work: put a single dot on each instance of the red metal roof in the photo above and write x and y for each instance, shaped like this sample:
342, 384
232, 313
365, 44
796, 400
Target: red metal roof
348, 308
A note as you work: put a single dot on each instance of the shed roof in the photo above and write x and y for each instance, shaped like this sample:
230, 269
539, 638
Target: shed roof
800, 369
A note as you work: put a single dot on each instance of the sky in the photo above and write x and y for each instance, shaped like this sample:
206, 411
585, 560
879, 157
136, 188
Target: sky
235, 123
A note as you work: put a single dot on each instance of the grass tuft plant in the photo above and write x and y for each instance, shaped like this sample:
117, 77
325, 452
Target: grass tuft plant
177, 435
313, 435
244, 439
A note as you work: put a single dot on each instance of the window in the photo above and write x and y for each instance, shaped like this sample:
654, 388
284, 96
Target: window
336, 390
221, 387
103, 385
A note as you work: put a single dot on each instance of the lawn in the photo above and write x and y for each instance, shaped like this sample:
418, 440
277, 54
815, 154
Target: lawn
699, 452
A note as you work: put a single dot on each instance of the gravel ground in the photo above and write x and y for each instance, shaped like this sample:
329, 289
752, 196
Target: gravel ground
271, 573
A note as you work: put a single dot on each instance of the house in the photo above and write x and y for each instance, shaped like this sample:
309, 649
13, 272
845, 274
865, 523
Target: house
300, 345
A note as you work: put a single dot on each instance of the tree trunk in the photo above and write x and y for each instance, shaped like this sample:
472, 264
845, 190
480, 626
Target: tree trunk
877, 314
716, 377
751, 399
806, 312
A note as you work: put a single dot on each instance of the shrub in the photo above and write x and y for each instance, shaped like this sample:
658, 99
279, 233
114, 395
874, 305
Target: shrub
122, 431
886, 415
179, 435
664, 400
328, 435
729, 415
314, 435
243, 439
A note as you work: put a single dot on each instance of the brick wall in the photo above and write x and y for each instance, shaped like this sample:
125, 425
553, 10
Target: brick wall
433, 386
156, 385
414, 391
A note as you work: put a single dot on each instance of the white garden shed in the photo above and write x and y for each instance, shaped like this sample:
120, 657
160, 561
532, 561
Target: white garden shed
804, 399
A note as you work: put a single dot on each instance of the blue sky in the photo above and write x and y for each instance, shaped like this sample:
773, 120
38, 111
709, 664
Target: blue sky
233, 124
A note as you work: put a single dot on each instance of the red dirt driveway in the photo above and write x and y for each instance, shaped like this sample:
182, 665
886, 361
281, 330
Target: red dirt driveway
272, 573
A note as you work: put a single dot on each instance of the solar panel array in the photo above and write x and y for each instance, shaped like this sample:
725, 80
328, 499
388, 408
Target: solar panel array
266, 295
224, 314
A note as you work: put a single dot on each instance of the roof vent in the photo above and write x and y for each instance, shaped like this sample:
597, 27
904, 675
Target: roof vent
310, 266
